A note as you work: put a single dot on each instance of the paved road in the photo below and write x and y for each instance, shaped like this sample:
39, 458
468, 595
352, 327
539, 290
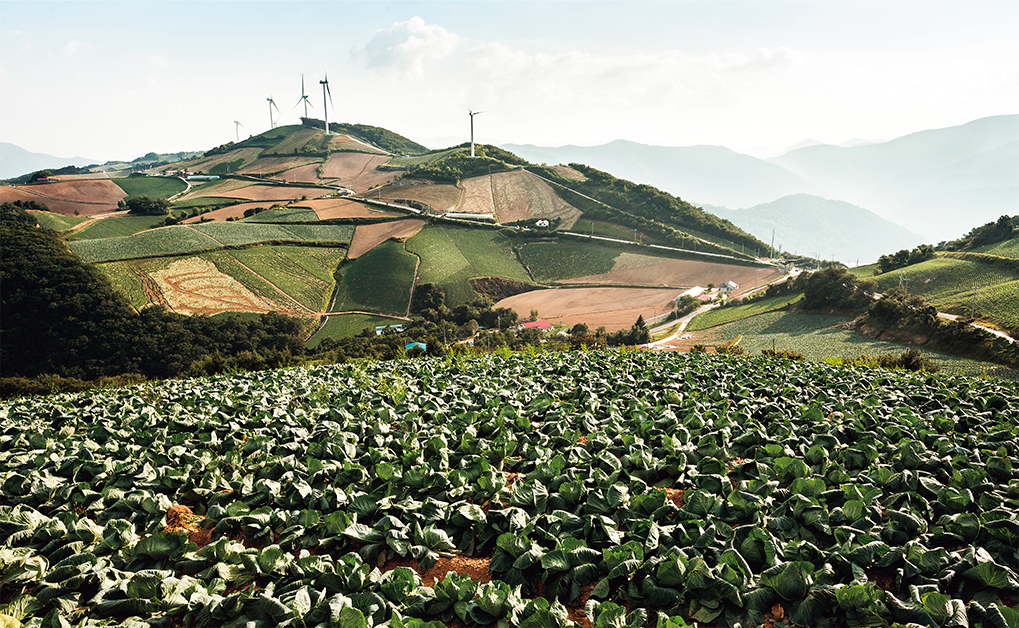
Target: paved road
1000, 334
683, 322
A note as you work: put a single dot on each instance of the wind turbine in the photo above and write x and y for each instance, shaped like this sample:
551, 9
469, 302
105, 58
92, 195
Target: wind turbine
237, 129
304, 97
472, 114
272, 103
326, 90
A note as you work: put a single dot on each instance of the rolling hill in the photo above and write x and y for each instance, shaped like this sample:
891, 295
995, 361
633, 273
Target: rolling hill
16, 161
819, 227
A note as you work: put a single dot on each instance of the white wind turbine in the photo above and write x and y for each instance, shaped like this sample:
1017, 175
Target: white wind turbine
272, 103
237, 129
325, 91
472, 114
304, 97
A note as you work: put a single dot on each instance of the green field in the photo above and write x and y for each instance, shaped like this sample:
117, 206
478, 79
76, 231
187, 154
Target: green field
57, 222
945, 279
1008, 248
296, 214
206, 201
303, 272
185, 239
126, 278
816, 337
348, 325
117, 227
1000, 303
611, 230
566, 259
723, 315
378, 281
153, 187
451, 255
864, 272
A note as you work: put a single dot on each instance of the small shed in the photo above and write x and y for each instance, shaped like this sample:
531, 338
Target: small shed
728, 287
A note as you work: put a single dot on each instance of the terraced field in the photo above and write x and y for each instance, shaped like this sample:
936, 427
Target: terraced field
450, 255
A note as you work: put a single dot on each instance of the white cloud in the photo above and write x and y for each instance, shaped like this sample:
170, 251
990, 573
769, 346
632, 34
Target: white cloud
406, 46
76, 46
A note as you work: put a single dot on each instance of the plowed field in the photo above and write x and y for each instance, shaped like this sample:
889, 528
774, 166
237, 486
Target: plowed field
303, 174
357, 171
221, 188
277, 164
233, 211
274, 193
87, 197
246, 155
367, 237
196, 286
440, 197
331, 208
612, 308
632, 269
513, 196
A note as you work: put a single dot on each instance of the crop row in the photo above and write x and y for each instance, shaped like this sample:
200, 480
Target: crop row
640, 489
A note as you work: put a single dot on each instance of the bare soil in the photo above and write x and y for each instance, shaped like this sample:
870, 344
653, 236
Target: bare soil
88, 197
330, 208
275, 193
303, 174
514, 196
181, 520
644, 270
367, 237
441, 197
221, 188
277, 164
357, 171
612, 308
569, 173
234, 211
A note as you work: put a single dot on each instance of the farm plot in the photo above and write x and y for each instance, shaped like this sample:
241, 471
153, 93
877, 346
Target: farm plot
265, 165
297, 140
610, 489
943, 279
999, 302
167, 241
153, 187
519, 195
451, 255
116, 227
723, 315
441, 197
343, 325
277, 192
196, 286
341, 208
232, 211
224, 163
129, 279
357, 171
87, 197
1008, 248
631, 269
367, 237
611, 308
213, 189
56, 222
285, 214
359, 281
566, 259
305, 273
245, 233
303, 174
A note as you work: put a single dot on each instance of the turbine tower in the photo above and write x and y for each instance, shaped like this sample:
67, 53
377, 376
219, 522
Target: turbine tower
325, 91
304, 97
472, 114
237, 129
272, 103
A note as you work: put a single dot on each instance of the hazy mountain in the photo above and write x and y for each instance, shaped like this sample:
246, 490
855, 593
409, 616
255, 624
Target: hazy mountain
938, 182
16, 161
818, 226
709, 174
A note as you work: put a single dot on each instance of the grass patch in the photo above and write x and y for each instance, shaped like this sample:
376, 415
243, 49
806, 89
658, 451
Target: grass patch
348, 325
1008, 248
126, 278
303, 272
153, 187
57, 222
724, 315
612, 230
451, 255
566, 259
378, 281
816, 337
864, 272
998, 303
296, 214
118, 227
943, 279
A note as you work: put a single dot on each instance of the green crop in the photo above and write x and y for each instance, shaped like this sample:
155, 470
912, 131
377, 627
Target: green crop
645, 489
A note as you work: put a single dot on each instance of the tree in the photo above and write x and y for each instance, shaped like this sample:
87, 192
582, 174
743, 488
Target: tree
42, 174
534, 315
146, 206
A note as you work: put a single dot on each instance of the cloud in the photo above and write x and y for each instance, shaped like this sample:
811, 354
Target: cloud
75, 46
406, 46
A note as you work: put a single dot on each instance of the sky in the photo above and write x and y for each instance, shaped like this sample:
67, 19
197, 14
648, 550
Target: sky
115, 80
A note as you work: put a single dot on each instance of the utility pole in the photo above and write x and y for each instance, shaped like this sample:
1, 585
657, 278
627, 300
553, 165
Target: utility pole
773, 242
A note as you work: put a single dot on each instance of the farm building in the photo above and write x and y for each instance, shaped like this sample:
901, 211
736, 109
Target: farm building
542, 325
728, 287
696, 291
382, 328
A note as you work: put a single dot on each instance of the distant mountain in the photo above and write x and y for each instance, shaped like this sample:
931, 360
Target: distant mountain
16, 161
816, 226
938, 182
708, 174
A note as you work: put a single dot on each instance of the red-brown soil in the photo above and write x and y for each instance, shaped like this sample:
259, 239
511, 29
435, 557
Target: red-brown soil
276, 193
514, 196
357, 171
367, 237
441, 197
180, 519
195, 286
234, 211
612, 308
87, 197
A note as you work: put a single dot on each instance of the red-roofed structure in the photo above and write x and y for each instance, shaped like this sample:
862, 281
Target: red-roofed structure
542, 325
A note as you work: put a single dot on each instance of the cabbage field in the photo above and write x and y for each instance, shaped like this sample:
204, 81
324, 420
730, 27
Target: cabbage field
616, 490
